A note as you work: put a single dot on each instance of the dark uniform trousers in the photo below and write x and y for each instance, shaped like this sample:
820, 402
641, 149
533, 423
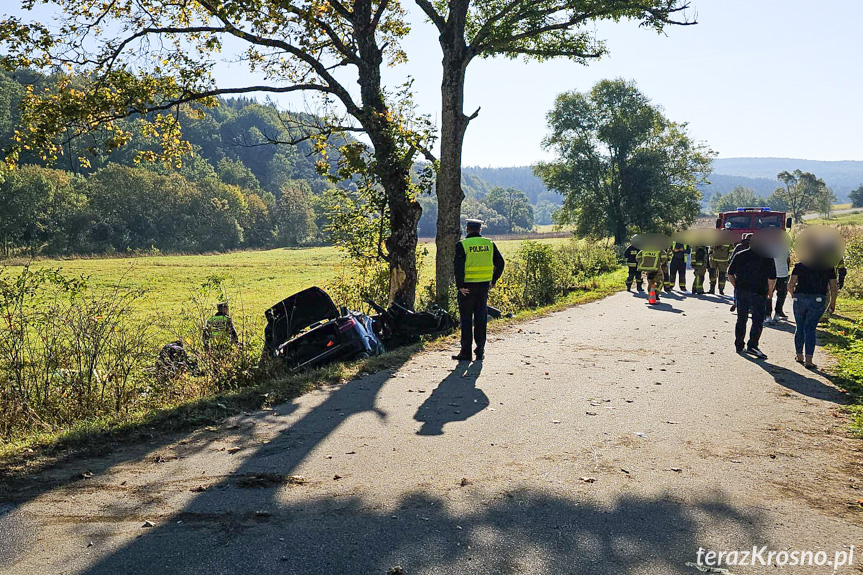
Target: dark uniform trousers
473, 313
678, 271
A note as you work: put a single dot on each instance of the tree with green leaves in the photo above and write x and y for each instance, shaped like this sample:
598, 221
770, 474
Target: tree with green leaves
530, 29
154, 58
621, 165
802, 192
856, 197
513, 205
739, 197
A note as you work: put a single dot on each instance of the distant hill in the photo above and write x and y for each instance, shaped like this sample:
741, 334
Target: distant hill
760, 174
519, 177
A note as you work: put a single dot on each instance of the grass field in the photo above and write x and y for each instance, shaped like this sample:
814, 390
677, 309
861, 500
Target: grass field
255, 280
854, 219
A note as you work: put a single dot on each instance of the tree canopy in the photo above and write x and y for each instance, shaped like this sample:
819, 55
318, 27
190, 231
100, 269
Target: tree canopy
802, 192
621, 165
739, 197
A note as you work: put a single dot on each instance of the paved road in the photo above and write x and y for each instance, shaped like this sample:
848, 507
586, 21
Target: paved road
834, 212
608, 438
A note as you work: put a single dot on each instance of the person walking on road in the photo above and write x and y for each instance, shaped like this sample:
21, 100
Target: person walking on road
813, 291
754, 279
634, 275
478, 266
775, 313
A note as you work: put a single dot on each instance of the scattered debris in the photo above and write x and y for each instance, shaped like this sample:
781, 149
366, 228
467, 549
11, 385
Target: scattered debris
336, 477
351, 453
297, 480
640, 434
147, 524
556, 421
625, 470
672, 422
588, 479
397, 570
260, 480
86, 475
198, 489
590, 412
233, 449
675, 469
262, 514
464, 482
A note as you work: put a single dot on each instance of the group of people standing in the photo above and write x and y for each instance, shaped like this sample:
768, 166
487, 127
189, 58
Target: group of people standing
756, 277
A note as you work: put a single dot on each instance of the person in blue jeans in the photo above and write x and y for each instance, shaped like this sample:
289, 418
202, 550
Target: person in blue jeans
812, 290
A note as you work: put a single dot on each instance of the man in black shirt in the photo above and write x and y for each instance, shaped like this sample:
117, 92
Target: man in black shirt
754, 279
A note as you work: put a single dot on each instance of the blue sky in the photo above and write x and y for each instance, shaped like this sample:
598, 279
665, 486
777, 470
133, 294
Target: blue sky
759, 78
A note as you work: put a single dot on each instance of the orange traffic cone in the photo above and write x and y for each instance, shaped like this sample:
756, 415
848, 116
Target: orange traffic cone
652, 297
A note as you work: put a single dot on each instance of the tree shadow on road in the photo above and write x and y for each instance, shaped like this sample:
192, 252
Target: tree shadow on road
503, 532
800, 383
456, 398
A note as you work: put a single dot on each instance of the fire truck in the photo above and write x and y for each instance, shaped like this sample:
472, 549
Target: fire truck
749, 220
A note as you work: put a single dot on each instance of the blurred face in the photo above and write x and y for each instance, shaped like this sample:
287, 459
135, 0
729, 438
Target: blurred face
223, 309
819, 247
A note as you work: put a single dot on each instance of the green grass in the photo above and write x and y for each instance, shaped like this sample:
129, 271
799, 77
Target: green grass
255, 280
854, 219
844, 341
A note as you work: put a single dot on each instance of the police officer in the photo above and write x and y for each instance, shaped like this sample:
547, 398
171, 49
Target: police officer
634, 275
720, 256
678, 265
700, 261
220, 328
650, 261
478, 266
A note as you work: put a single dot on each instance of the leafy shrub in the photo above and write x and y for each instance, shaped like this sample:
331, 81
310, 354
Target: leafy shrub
539, 274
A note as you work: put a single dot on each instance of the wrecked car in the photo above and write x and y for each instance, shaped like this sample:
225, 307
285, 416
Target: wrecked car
398, 325
307, 330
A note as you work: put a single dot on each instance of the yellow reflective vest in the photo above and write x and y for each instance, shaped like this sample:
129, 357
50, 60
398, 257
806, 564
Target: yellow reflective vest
479, 259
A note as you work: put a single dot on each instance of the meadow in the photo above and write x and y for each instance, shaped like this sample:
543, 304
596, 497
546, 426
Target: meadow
254, 280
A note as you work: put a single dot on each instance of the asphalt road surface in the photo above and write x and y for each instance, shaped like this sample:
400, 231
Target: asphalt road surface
611, 438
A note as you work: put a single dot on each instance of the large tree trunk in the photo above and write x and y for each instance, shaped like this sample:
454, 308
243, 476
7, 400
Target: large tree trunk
448, 188
402, 248
393, 172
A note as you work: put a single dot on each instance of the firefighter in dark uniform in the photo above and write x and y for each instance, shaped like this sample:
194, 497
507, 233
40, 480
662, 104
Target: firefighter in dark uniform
699, 259
678, 265
478, 266
219, 331
634, 275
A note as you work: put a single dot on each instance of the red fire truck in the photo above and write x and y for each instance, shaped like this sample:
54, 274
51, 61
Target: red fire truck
748, 220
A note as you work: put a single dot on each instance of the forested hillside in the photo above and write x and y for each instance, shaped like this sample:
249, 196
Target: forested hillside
237, 189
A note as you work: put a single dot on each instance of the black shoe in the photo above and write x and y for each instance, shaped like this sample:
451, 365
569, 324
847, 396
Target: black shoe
711, 291
628, 288
740, 350
782, 315
756, 352
462, 356
480, 355
721, 292
640, 289
733, 308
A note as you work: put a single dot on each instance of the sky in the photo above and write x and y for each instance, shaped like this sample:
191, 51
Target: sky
753, 78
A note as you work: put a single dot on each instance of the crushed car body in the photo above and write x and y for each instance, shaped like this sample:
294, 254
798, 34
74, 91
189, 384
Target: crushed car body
307, 330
